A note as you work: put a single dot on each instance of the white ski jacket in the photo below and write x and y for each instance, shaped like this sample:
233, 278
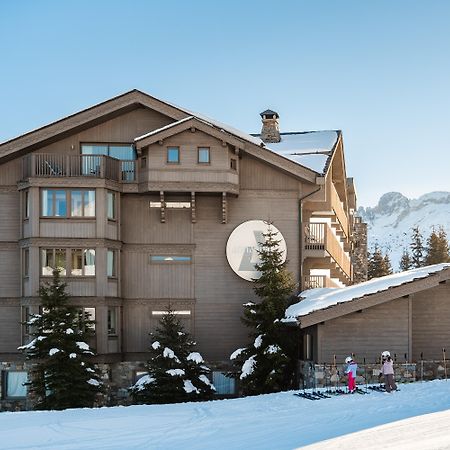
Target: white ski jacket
387, 368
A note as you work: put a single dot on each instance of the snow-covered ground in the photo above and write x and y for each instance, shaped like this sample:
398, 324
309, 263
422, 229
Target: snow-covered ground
275, 422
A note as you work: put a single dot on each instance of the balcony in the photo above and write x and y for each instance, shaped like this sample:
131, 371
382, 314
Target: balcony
338, 208
318, 281
321, 242
96, 166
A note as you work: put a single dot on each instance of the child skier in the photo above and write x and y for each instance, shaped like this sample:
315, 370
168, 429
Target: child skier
387, 369
351, 372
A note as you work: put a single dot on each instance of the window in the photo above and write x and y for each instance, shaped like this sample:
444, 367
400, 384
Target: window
173, 155
177, 312
111, 266
223, 384
83, 262
53, 258
26, 262
82, 203
54, 203
87, 319
14, 381
203, 155
25, 319
170, 259
233, 164
171, 205
111, 205
112, 321
123, 152
26, 212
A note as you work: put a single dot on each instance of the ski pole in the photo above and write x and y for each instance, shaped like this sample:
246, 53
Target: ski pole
335, 372
406, 364
445, 364
365, 371
421, 366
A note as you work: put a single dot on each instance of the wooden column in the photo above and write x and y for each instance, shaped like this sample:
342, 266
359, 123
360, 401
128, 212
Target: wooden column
224, 207
193, 211
163, 207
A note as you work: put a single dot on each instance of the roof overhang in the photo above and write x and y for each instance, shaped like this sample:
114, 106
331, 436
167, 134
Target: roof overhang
86, 118
378, 298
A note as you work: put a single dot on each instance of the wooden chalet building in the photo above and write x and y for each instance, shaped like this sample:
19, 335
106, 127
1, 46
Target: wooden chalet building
135, 200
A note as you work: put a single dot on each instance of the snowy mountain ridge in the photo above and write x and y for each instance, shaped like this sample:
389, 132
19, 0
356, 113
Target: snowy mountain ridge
389, 223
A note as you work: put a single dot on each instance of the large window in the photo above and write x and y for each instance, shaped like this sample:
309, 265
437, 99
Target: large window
83, 262
26, 262
53, 258
87, 319
14, 382
167, 259
224, 385
54, 203
26, 212
111, 205
111, 263
173, 155
119, 151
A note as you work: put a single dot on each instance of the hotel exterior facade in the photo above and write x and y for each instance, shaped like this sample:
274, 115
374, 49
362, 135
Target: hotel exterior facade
135, 200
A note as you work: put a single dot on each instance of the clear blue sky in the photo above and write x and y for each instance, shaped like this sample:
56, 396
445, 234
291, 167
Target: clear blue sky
379, 71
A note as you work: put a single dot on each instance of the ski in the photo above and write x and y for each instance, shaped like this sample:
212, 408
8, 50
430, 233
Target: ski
307, 396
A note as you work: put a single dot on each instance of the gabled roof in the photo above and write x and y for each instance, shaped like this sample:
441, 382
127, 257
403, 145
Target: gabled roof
311, 149
227, 135
317, 305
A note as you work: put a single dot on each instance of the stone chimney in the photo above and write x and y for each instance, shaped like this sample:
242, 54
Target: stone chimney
270, 131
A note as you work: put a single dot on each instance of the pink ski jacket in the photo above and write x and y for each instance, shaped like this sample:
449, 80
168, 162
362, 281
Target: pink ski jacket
387, 368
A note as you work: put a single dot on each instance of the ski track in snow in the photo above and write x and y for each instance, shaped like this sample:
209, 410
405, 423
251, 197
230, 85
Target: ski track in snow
273, 422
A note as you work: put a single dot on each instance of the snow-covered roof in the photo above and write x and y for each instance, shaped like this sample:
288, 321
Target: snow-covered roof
311, 149
323, 298
207, 121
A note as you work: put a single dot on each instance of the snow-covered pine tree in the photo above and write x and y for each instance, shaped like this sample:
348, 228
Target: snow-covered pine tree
437, 250
378, 265
269, 363
416, 247
405, 261
387, 266
63, 374
176, 373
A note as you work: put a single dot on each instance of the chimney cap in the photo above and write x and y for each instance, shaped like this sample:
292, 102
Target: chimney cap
269, 114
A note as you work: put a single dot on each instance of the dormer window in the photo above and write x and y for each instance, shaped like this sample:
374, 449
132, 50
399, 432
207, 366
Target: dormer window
173, 155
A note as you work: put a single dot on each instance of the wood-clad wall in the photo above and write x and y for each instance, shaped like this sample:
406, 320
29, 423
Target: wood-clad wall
366, 334
10, 328
431, 322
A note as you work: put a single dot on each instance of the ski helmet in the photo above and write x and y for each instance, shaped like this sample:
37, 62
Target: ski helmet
385, 354
348, 359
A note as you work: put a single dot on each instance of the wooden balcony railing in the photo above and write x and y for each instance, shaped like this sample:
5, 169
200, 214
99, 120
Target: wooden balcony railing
319, 236
98, 166
338, 209
318, 281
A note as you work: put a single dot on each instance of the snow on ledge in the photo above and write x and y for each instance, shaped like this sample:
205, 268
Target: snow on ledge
322, 298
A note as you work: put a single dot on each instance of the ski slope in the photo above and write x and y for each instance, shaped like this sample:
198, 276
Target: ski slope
276, 422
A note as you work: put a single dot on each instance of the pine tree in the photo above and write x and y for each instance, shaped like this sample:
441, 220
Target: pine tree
269, 364
416, 248
405, 261
378, 265
437, 247
176, 373
63, 375
387, 266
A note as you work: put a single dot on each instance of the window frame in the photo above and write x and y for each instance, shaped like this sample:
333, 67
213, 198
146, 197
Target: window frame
157, 259
26, 262
113, 195
53, 250
26, 205
83, 262
108, 146
206, 163
83, 311
167, 154
5, 382
68, 199
233, 164
114, 266
112, 331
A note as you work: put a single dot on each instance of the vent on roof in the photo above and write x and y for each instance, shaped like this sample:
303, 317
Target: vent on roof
270, 131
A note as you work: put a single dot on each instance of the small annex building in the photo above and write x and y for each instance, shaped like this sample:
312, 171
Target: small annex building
407, 313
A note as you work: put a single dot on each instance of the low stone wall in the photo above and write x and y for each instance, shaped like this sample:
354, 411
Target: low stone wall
326, 375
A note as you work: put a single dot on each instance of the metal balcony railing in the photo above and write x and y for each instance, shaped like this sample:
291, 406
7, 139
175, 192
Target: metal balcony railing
98, 166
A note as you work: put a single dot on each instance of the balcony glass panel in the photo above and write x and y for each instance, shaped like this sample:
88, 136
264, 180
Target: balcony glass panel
89, 203
76, 203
